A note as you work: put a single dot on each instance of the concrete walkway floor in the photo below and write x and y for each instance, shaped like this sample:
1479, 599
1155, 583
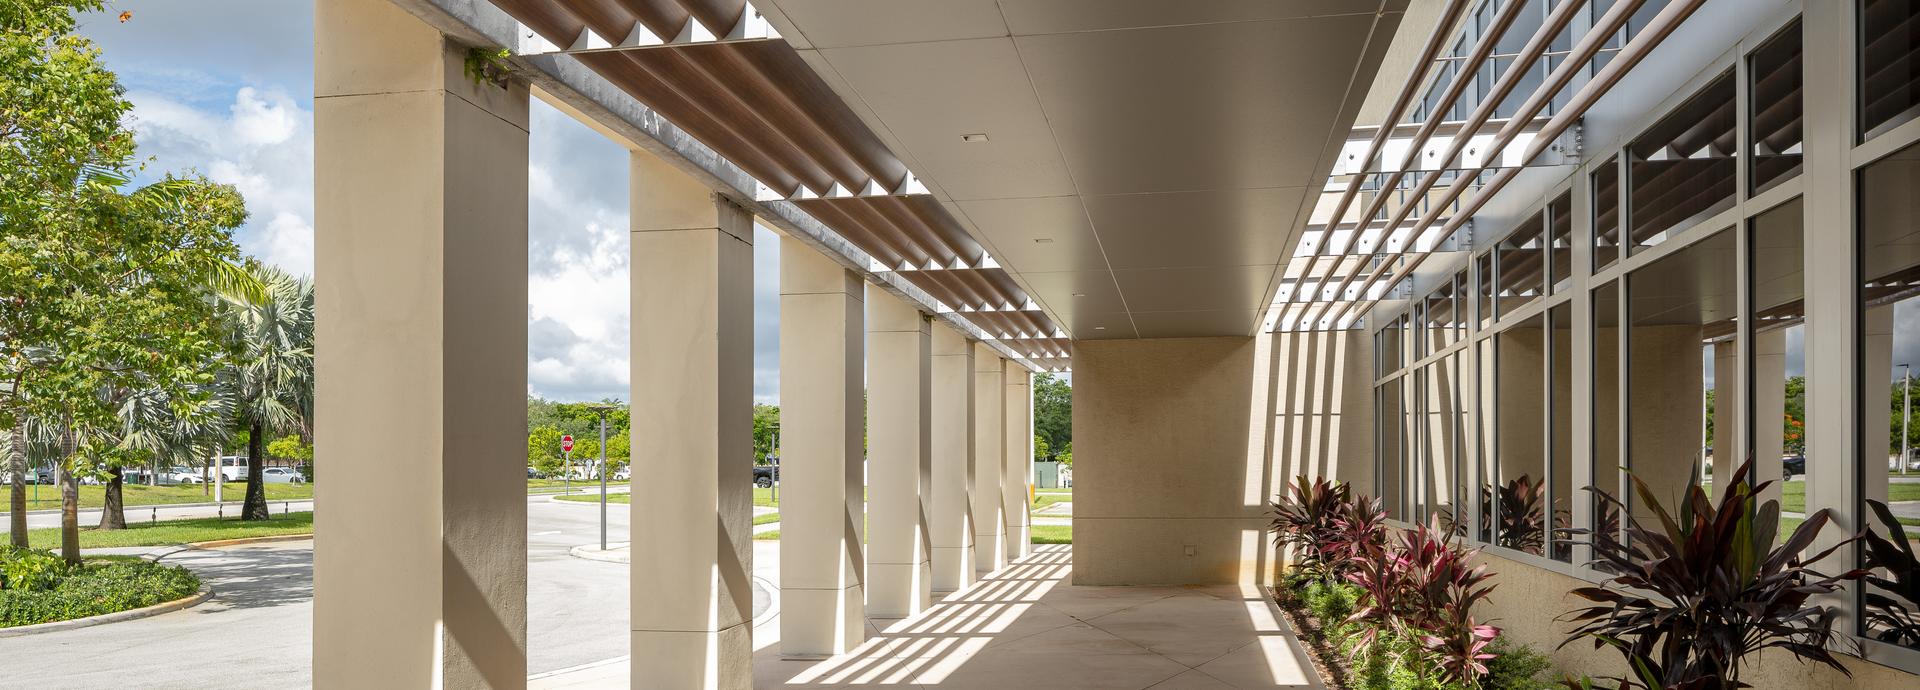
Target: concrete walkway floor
1027, 627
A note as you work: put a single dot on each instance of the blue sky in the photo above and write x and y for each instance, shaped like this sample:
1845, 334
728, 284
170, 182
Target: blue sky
225, 87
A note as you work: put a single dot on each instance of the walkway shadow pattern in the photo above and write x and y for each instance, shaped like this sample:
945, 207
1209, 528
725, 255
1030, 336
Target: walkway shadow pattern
1027, 627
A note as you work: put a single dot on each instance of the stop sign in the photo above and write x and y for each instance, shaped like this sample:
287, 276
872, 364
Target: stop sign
566, 443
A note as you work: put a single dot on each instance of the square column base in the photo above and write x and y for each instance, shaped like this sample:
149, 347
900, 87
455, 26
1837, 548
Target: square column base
660, 659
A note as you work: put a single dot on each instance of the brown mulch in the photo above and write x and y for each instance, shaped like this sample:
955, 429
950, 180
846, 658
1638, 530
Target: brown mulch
1327, 660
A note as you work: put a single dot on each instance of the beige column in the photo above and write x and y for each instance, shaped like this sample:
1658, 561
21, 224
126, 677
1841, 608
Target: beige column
822, 510
1019, 459
953, 460
1728, 425
692, 384
989, 469
899, 436
420, 257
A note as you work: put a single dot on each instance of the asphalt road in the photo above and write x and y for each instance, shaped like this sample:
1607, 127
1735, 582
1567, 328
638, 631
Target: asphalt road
257, 630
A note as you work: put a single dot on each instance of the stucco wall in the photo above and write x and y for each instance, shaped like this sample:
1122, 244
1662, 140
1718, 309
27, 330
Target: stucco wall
1180, 443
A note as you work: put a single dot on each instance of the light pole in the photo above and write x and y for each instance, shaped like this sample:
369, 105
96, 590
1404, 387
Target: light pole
602, 411
1906, 413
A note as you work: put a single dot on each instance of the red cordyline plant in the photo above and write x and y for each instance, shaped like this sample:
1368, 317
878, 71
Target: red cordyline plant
1693, 595
1423, 586
1307, 519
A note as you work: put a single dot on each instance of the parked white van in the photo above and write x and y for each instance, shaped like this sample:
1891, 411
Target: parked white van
233, 468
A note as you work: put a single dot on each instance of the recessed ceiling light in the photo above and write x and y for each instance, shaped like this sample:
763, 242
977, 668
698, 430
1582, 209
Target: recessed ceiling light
1043, 240
1079, 294
974, 138
1099, 328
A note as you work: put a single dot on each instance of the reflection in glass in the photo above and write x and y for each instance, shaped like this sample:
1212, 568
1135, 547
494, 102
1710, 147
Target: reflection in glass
1778, 425
1485, 271
1560, 471
1520, 261
1560, 236
1519, 490
1439, 312
1606, 406
1889, 80
1606, 213
1390, 446
1680, 312
1774, 132
1890, 317
1682, 168
1487, 436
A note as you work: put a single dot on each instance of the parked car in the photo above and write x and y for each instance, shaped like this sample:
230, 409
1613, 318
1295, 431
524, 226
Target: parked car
765, 475
623, 474
183, 475
42, 475
1792, 466
282, 475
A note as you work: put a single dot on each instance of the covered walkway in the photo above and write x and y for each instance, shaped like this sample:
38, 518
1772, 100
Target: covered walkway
1026, 626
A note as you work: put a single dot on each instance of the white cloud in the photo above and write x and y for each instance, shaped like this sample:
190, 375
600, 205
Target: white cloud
261, 143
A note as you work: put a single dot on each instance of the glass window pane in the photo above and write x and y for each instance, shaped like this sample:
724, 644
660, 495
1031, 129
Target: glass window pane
1774, 132
1682, 168
1521, 264
1606, 404
1606, 214
1779, 414
1488, 437
1890, 301
1485, 270
1560, 471
1560, 234
1681, 312
1389, 439
1440, 319
1519, 490
1889, 71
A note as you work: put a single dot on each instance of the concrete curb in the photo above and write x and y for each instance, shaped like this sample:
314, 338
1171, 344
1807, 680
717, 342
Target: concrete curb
205, 593
588, 552
249, 540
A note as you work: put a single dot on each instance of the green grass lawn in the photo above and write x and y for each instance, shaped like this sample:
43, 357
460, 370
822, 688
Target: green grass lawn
1793, 499
179, 531
769, 535
1044, 500
92, 496
1050, 534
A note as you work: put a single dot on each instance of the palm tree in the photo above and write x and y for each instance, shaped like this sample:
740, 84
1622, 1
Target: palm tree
164, 432
272, 378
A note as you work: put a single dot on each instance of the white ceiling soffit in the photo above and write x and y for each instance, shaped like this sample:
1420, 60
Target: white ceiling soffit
1141, 167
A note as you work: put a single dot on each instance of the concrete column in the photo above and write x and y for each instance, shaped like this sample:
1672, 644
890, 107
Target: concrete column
420, 257
953, 461
1019, 459
692, 384
989, 447
822, 419
899, 434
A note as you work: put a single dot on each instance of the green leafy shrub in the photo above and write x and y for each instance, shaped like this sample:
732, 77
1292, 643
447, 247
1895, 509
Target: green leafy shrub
29, 569
96, 588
